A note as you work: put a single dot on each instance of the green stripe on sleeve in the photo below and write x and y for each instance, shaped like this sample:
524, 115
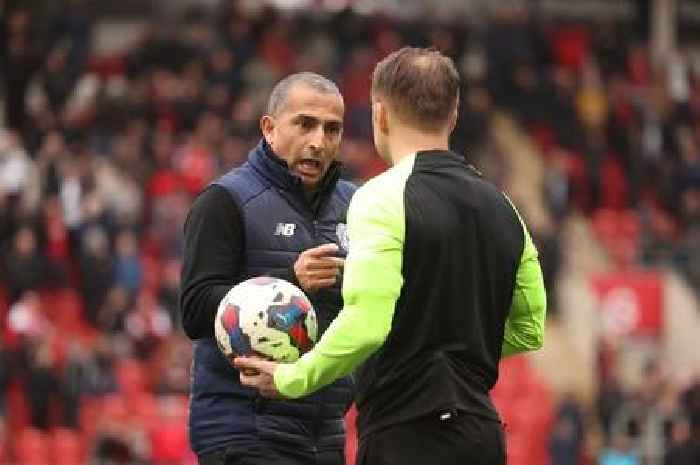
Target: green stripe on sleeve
524, 330
372, 283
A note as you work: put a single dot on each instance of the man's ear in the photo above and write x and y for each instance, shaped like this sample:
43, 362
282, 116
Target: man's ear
453, 119
267, 126
381, 113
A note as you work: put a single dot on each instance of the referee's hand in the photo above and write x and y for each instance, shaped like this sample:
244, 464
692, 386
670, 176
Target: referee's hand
318, 267
258, 374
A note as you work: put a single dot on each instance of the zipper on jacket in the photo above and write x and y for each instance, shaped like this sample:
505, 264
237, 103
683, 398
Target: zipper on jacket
314, 231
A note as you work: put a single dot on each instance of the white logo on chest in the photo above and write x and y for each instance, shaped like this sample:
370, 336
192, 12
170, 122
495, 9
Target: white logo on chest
285, 229
342, 232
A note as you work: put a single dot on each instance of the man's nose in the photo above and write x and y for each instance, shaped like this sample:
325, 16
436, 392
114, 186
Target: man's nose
316, 138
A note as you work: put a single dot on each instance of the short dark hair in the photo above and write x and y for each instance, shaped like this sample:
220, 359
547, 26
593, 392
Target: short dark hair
420, 84
279, 94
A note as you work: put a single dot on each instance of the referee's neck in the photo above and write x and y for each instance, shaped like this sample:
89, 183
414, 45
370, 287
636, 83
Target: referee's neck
408, 141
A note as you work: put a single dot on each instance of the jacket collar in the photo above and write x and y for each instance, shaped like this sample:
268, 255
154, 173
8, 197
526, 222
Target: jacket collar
270, 166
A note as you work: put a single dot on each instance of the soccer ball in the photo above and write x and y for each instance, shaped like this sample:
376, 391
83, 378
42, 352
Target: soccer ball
265, 316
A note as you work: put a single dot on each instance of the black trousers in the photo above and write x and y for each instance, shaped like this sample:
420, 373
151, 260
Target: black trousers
443, 438
261, 454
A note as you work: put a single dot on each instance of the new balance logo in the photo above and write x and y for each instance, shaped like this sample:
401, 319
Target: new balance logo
285, 229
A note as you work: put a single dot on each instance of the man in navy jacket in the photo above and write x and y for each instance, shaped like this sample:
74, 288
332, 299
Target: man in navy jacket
280, 214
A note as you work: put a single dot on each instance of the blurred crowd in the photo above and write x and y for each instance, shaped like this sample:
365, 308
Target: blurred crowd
656, 422
101, 156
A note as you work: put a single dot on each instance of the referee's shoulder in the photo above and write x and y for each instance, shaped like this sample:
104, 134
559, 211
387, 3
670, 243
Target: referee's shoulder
384, 180
375, 187
380, 195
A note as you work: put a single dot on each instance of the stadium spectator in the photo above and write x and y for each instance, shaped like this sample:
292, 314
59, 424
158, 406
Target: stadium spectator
111, 318
169, 291
24, 318
147, 324
620, 452
99, 376
112, 445
686, 452
73, 384
175, 377
41, 382
568, 434
98, 269
24, 266
127, 264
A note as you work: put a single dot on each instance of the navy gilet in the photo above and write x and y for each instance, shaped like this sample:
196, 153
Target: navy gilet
279, 223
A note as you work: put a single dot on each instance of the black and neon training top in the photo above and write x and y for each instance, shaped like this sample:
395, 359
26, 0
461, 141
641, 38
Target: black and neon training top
441, 281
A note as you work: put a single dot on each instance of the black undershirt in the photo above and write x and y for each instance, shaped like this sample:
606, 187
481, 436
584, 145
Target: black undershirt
213, 259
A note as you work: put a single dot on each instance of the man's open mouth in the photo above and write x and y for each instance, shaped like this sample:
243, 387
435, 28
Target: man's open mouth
309, 167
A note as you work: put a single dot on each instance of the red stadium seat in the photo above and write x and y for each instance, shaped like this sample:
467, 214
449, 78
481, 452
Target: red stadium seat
152, 273
18, 409
526, 407
67, 447
570, 47
107, 66
143, 410
64, 308
543, 135
169, 443
168, 431
113, 408
31, 447
618, 232
614, 185
171, 408
90, 410
131, 377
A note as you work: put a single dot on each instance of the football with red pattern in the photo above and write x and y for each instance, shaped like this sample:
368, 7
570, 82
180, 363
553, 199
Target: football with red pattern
265, 316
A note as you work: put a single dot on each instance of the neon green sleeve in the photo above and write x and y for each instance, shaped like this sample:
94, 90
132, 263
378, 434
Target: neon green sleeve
371, 286
524, 329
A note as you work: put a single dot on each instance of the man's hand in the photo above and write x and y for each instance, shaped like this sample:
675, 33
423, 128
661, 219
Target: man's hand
317, 268
259, 374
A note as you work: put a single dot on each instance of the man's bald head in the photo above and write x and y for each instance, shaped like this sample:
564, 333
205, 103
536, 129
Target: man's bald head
280, 93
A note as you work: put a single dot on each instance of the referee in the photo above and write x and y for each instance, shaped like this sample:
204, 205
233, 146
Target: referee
442, 280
